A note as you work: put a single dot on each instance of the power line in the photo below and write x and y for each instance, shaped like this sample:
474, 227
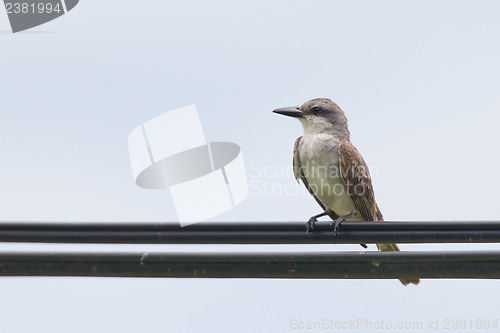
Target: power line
302, 265
317, 265
251, 233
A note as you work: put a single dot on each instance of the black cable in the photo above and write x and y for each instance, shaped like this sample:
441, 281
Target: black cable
251, 232
317, 265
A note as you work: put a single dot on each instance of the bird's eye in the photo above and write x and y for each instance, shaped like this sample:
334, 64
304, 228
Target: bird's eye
316, 109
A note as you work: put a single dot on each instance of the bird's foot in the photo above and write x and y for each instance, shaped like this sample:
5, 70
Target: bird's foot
339, 220
310, 225
312, 221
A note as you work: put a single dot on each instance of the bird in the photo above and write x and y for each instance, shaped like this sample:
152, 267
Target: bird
332, 169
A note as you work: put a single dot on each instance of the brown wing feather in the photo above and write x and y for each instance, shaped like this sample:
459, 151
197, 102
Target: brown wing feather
356, 175
297, 170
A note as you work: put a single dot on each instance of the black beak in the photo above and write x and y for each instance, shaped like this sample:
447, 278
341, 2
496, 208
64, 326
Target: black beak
293, 111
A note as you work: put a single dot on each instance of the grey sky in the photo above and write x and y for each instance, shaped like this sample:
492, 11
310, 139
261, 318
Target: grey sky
418, 81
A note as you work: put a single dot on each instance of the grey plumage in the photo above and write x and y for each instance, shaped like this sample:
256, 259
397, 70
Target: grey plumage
331, 168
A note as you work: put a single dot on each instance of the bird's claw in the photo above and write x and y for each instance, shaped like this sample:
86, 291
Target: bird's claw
312, 221
336, 224
339, 220
310, 225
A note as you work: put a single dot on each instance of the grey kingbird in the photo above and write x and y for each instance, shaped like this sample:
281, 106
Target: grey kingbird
332, 169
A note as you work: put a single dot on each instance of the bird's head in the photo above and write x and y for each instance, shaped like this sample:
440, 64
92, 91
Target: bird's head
318, 115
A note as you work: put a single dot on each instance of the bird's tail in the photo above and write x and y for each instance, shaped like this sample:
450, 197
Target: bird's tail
394, 247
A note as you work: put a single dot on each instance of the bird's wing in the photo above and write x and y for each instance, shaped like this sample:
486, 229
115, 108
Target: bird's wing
356, 175
299, 174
